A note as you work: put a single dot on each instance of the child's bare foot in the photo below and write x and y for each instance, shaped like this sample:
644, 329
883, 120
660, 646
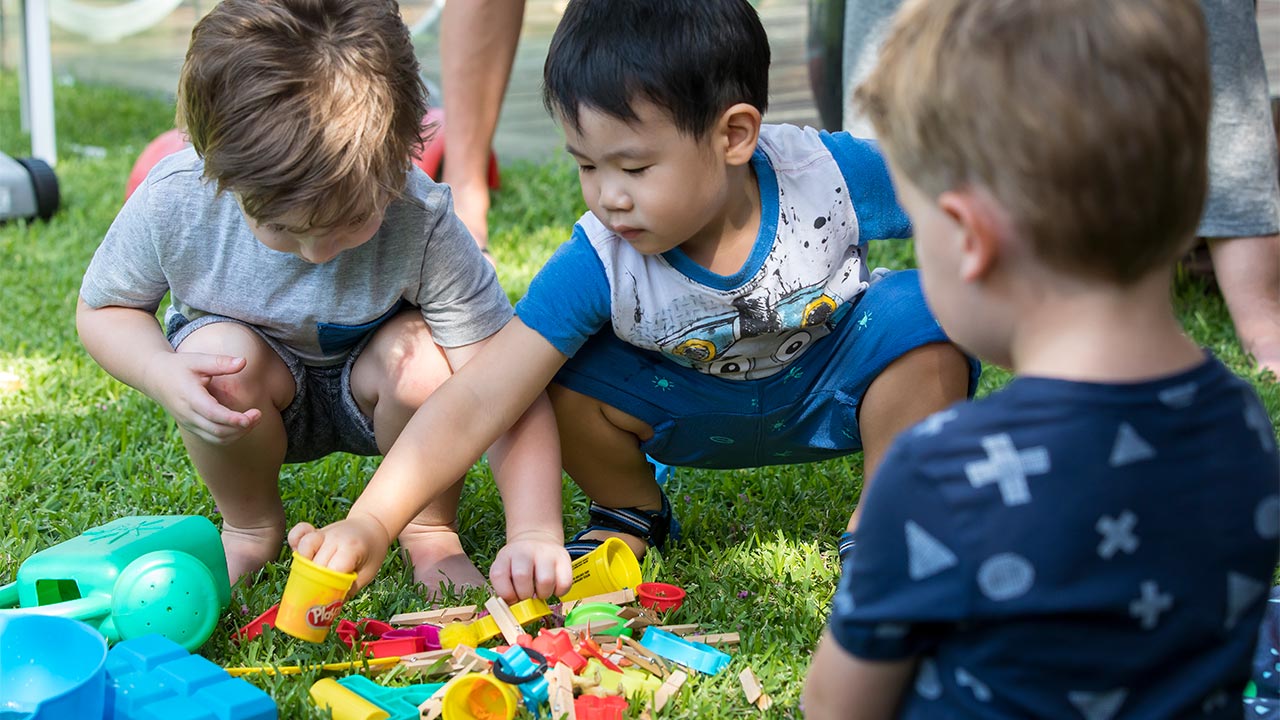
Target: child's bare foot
249, 549
436, 553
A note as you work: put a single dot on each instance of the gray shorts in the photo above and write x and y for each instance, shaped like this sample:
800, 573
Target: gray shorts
323, 417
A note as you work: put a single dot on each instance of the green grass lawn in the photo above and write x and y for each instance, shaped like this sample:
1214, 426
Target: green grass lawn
78, 449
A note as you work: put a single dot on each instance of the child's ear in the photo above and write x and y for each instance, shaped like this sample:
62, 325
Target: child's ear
737, 132
981, 230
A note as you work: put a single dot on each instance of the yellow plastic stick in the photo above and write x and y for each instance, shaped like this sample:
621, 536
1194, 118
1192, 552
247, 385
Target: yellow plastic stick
345, 704
327, 667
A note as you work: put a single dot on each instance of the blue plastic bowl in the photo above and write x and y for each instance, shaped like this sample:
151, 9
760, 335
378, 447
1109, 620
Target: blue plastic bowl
51, 668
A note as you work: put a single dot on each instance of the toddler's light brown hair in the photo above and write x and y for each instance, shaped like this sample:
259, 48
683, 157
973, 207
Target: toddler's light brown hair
1087, 120
308, 106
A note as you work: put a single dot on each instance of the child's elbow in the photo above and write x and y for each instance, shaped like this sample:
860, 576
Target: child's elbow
84, 316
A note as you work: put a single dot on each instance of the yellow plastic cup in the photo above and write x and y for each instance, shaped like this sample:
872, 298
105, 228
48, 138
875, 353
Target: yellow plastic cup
313, 596
479, 697
610, 567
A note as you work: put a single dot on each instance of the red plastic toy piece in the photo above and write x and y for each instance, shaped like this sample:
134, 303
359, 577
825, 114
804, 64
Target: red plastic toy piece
557, 647
394, 647
430, 635
255, 626
589, 648
591, 707
660, 596
165, 144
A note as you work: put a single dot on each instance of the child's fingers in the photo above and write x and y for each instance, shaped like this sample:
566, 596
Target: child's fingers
564, 572
522, 577
339, 557
207, 364
500, 578
297, 533
547, 576
223, 420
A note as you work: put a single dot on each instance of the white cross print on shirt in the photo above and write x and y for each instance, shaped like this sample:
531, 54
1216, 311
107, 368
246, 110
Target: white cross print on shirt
1008, 467
1117, 534
1150, 605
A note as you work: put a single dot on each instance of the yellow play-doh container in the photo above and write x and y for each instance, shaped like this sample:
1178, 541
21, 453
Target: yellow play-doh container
480, 697
313, 596
610, 567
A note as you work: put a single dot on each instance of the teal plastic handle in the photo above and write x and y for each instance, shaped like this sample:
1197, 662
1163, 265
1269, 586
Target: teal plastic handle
86, 608
9, 595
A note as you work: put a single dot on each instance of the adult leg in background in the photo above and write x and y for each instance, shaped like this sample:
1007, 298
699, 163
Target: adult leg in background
1241, 217
478, 40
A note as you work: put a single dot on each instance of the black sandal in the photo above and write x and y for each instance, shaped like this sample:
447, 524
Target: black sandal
652, 527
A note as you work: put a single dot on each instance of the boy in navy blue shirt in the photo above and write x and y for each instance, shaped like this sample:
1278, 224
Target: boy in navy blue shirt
1097, 539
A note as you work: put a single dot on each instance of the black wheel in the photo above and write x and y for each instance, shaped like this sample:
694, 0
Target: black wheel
45, 184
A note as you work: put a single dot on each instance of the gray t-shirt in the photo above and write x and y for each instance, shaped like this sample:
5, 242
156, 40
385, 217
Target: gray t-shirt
176, 234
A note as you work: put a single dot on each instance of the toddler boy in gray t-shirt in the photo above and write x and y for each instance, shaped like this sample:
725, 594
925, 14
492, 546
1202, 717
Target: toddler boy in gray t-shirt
321, 288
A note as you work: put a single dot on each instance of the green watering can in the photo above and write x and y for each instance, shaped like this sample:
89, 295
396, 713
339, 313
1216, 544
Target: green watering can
134, 576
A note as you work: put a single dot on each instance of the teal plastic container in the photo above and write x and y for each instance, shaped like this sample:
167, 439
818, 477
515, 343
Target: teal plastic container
134, 576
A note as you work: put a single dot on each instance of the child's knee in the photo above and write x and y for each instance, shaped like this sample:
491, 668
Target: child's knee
401, 364
265, 379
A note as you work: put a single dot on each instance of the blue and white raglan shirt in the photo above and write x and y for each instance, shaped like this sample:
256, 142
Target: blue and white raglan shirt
823, 197
1072, 550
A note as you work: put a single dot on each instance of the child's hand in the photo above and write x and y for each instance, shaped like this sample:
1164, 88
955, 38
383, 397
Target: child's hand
181, 385
532, 564
357, 544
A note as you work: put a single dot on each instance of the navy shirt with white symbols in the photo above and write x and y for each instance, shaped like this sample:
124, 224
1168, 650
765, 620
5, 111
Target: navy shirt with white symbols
1072, 550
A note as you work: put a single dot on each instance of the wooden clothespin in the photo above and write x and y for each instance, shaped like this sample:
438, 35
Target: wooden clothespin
592, 626
432, 707
502, 615
560, 692
617, 597
425, 662
642, 656
715, 639
670, 687
679, 629
435, 617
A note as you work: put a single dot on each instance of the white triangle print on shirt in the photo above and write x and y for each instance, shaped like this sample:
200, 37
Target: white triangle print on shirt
1130, 447
928, 684
1242, 591
926, 555
1255, 417
1098, 705
1179, 396
1266, 519
981, 692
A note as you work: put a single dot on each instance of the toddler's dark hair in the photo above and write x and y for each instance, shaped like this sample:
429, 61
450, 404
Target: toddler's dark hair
692, 58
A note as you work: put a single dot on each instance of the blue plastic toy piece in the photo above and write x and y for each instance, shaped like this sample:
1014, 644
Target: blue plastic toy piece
401, 703
51, 668
154, 678
522, 668
696, 655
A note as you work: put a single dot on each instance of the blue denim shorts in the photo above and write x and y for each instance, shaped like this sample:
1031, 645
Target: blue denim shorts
323, 417
806, 412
